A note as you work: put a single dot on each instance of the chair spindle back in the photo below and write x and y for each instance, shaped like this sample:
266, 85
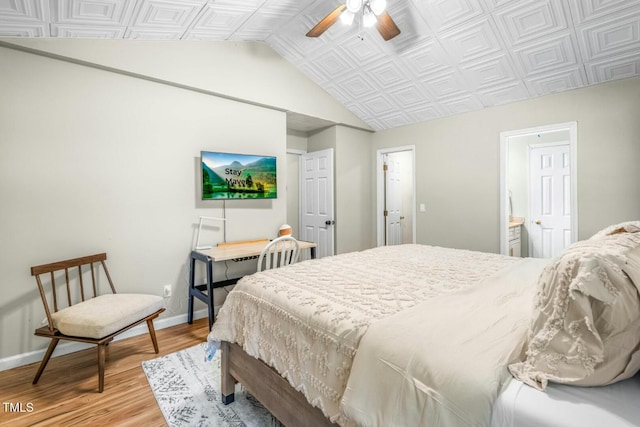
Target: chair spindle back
279, 252
70, 266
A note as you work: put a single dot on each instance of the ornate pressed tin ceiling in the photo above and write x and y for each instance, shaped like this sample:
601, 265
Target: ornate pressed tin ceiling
452, 55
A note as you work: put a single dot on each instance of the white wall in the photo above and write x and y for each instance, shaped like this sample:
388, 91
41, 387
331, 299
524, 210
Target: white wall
293, 191
458, 162
296, 141
354, 208
248, 71
96, 161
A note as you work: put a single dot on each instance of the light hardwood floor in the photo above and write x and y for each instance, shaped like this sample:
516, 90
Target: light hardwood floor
67, 393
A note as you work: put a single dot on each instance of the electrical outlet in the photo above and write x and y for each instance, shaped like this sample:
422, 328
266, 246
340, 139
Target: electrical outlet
167, 291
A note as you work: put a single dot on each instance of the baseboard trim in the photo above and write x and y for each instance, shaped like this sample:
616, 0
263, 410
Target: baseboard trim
71, 347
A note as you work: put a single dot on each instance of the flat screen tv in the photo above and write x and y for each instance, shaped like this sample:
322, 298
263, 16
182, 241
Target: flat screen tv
237, 176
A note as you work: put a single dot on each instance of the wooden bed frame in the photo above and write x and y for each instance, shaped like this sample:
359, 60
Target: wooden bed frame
287, 404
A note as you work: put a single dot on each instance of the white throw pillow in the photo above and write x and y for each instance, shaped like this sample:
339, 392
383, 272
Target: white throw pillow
586, 323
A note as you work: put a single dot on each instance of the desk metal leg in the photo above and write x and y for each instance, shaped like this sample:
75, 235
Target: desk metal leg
210, 290
192, 273
198, 291
313, 253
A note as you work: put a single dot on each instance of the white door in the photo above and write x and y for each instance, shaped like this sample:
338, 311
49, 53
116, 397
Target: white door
550, 196
402, 205
316, 200
393, 200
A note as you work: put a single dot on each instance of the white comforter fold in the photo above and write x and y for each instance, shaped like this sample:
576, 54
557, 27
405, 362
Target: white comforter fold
444, 361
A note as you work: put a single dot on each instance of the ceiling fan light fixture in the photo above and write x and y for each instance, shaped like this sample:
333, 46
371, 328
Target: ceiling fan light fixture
347, 17
353, 6
368, 18
378, 6
368, 13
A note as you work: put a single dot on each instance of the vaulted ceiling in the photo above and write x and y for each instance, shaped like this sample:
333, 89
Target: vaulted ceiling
452, 56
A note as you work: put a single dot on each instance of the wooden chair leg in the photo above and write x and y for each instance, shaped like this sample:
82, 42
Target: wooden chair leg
152, 332
101, 361
45, 360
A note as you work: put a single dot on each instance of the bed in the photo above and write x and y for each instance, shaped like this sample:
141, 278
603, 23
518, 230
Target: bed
614, 405
421, 335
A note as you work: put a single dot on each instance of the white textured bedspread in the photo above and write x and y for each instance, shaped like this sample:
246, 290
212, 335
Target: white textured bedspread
444, 361
306, 320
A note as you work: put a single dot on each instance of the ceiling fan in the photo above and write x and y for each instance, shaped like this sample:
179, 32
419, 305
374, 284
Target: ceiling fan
372, 11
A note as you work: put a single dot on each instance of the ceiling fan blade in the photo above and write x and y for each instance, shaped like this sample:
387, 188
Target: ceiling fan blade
386, 27
326, 22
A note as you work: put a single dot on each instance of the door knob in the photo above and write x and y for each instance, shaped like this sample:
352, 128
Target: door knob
329, 222
538, 222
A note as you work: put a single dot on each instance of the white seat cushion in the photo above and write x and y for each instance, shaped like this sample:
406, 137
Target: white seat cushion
105, 314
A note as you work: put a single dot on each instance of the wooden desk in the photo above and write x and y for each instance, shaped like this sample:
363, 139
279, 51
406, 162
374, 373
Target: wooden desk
240, 250
236, 251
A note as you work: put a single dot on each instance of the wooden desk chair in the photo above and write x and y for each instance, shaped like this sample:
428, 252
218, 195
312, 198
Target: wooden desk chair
84, 315
279, 252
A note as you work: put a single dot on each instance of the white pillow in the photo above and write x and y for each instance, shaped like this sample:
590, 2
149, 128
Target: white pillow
585, 328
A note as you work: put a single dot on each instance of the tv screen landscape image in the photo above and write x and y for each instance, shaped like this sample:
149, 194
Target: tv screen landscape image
237, 176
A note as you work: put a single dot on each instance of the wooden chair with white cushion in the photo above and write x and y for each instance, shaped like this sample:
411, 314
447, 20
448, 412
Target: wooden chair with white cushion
279, 252
78, 311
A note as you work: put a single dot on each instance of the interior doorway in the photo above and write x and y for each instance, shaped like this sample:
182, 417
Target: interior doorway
396, 207
538, 188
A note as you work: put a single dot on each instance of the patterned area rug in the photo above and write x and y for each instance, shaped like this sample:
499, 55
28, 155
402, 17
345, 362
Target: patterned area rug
187, 390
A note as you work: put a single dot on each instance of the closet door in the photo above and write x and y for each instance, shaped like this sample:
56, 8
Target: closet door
316, 200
